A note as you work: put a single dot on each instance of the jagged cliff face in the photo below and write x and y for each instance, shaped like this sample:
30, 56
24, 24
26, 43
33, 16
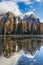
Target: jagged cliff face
8, 22
31, 19
11, 23
31, 23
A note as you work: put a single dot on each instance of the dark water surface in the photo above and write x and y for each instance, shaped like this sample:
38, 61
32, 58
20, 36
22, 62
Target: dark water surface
34, 46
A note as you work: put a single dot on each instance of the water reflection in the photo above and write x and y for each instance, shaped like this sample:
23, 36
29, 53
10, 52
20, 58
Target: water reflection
36, 60
39, 56
32, 46
9, 45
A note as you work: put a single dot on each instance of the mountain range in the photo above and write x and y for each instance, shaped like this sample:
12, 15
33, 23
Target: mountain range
30, 17
9, 23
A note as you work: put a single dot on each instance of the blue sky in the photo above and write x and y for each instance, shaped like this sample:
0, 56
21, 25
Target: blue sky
22, 6
36, 7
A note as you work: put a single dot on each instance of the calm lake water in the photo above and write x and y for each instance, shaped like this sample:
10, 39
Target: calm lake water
33, 46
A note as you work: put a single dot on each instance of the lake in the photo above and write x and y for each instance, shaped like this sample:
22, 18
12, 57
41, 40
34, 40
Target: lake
30, 49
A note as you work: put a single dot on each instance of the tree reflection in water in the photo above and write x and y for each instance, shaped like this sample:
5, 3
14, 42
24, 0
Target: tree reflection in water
9, 45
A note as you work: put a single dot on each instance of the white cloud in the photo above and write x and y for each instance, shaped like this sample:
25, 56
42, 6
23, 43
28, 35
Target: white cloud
31, 6
25, 1
41, 20
9, 6
29, 2
33, 9
29, 13
21, 0
18, 0
38, 0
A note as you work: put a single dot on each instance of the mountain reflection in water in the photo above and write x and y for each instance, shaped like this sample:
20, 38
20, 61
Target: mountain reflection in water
36, 60
32, 50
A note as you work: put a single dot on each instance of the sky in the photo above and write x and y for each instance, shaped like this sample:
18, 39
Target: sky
21, 7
